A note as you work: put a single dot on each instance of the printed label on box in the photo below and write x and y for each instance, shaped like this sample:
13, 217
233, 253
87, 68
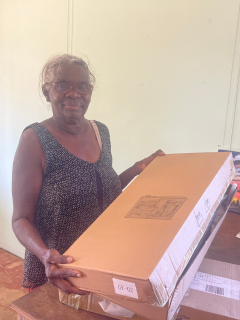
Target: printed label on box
216, 285
151, 207
125, 288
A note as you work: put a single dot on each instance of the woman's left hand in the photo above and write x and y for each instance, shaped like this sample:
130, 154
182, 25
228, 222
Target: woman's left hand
141, 165
137, 168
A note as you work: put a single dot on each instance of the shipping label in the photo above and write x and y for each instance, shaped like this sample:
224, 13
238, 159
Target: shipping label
209, 283
125, 288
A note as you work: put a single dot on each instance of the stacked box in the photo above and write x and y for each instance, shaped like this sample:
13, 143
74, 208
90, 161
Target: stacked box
214, 293
135, 253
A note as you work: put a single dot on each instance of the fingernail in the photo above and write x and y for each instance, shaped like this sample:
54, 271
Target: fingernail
69, 259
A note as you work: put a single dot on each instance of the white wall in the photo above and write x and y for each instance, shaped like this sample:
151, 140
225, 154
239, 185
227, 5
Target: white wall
163, 74
164, 71
29, 34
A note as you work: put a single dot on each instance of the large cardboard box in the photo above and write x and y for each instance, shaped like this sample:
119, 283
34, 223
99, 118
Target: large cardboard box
171, 308
96, 304
138, 248
214, 293
112, 306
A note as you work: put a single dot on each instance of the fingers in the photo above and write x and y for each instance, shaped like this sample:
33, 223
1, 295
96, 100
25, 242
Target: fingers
66, 287
150, 158
60, 259
56, 275
142, 166
65, 273
154, 155
53, 256
55, 272
160, 152
145, 162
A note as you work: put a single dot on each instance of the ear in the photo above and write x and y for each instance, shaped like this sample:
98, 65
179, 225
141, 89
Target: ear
46, 94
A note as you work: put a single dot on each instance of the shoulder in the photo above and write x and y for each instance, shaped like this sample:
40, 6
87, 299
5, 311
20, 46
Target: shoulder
31, 127
29, 146
102, 127
29, 136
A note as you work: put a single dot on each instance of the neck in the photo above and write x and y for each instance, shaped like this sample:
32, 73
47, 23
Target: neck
72, 127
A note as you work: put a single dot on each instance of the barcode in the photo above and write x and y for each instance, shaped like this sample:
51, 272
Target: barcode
215, 290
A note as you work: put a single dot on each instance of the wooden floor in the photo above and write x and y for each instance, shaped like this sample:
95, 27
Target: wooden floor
11, 271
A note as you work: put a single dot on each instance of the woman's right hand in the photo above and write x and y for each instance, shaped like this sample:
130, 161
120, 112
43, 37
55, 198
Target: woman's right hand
57, 276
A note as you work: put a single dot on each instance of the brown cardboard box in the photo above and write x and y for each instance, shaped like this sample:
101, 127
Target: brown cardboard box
214, 293
91, 302
170, 309
138, 248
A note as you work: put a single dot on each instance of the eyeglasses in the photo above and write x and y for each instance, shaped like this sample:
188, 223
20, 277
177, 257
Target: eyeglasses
65, 87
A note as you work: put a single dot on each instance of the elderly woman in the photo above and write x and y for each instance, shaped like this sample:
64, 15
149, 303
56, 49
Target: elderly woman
62, 175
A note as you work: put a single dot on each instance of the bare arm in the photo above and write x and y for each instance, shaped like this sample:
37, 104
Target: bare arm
127, 176
28, 169
26, 185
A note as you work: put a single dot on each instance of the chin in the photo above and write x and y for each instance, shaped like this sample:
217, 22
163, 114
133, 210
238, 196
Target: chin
74, 114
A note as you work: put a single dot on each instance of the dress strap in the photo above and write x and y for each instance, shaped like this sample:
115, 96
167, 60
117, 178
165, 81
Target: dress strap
95, 128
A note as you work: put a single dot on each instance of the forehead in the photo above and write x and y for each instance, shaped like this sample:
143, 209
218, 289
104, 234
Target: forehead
72, 73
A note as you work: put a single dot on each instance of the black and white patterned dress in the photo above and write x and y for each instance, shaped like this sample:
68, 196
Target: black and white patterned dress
74, 193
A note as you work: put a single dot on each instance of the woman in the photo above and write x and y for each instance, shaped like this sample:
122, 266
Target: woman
62, 175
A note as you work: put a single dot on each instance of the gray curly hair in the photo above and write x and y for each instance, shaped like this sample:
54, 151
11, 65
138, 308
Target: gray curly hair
52, 69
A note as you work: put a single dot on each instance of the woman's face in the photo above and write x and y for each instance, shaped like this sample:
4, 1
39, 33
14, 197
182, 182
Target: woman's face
69, 106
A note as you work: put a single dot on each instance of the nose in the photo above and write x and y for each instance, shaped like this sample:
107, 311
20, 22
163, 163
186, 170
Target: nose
73, 94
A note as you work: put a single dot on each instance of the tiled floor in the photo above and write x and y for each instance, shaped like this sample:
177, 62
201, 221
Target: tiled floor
11, 270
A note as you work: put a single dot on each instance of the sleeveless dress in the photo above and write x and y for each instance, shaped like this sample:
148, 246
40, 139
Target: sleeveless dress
73, 194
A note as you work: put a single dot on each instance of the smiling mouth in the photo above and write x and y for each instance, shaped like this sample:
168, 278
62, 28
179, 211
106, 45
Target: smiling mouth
72, 107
